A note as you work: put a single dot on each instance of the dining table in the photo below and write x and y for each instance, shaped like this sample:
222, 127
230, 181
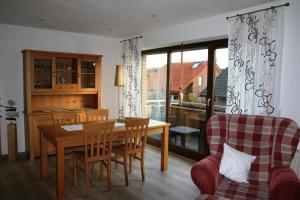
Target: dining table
68, 137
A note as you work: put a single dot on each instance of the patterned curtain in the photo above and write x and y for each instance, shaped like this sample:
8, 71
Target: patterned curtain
131, 94
254, 63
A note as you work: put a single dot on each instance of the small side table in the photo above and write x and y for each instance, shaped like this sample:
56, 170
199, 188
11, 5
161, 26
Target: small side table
182, 131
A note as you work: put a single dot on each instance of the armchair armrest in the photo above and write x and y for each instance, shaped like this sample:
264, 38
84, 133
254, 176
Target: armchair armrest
283, 184
205, 174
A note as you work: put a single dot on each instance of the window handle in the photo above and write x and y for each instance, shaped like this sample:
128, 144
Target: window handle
208, 102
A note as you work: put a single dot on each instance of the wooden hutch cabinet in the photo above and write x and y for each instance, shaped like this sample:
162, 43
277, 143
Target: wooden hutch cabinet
57, 82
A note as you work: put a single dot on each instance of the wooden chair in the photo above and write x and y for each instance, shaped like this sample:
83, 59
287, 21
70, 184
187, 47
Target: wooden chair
97, 115
133, 145
98, 146
65, 118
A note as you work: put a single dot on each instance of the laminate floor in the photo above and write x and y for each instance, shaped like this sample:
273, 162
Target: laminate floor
21, 180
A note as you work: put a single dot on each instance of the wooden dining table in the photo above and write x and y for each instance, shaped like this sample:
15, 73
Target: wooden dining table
63, 139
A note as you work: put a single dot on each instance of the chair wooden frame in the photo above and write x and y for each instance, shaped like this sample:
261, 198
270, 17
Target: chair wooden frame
65, 118
97, 115
134, 144
97, 148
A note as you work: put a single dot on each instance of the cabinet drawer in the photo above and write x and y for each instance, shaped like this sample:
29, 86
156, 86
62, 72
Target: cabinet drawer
66, 87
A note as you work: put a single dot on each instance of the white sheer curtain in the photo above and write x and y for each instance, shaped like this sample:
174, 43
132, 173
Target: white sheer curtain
131, 93
254, 63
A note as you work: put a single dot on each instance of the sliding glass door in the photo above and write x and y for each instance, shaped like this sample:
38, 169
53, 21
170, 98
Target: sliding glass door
188, 83
220, 77
154, 87
185, 85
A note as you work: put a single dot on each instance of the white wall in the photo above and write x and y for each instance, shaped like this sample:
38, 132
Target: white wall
217, 27
13, 39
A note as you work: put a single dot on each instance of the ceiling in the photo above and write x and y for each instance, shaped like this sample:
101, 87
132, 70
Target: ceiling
114, 18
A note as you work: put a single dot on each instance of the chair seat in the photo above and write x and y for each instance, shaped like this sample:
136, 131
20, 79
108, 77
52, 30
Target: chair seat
210, 197
80, 155
120, 149
233, 190
228, 189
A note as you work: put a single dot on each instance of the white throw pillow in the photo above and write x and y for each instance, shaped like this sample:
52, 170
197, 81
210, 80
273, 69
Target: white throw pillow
235, 164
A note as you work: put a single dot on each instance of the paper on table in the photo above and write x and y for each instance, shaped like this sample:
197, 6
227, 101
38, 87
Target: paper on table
75, 127
153, 122
119, 124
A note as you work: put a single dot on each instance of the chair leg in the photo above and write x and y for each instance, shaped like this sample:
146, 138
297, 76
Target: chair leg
130, 163
116, 164
109, 175
74, 171
87, 174
142, 166
92, 167
101, 170
125, 169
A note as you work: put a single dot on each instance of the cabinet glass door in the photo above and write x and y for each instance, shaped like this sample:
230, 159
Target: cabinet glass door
42, 73
66, 74
88, 75
66, 71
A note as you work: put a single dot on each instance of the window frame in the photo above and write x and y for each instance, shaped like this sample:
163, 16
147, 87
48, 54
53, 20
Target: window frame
211, 45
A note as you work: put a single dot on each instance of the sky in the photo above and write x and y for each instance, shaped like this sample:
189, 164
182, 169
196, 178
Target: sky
159, 60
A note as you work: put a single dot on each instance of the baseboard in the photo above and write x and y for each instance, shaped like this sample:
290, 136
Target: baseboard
20, 155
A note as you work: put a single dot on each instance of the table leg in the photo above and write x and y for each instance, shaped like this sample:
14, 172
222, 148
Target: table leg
164, 149
60, 170
44, 156
182, 140
199, 143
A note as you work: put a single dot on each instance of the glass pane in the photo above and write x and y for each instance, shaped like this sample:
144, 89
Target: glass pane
154, 78
66, 71
42, 73
188, 82
221, 75
88, 77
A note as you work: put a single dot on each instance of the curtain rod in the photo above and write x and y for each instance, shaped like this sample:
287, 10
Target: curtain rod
272, 7
132, 38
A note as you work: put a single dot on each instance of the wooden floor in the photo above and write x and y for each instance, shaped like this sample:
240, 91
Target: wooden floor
21, 180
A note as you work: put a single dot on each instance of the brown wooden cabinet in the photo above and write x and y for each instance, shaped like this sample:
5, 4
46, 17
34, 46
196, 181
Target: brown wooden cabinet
57, 82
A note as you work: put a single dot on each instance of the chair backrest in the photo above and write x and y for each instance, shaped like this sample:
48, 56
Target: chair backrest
136, 134
273, 140
98, 140
65, 118
97, 115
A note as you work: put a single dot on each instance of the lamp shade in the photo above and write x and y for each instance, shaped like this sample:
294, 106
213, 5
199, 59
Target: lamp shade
119, 76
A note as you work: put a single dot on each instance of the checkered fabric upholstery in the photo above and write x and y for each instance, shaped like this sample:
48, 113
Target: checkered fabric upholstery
272, 140
228, 189
210, 197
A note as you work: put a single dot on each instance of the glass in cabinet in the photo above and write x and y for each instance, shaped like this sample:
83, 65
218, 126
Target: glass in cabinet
42, 73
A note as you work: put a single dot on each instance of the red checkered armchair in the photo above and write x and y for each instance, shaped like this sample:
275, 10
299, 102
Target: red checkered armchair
272, 140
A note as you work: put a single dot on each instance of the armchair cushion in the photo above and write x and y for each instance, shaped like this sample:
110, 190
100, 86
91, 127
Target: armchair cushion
233, 190
235, 164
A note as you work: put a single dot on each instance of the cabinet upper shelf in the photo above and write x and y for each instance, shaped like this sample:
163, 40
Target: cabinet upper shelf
57, 72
